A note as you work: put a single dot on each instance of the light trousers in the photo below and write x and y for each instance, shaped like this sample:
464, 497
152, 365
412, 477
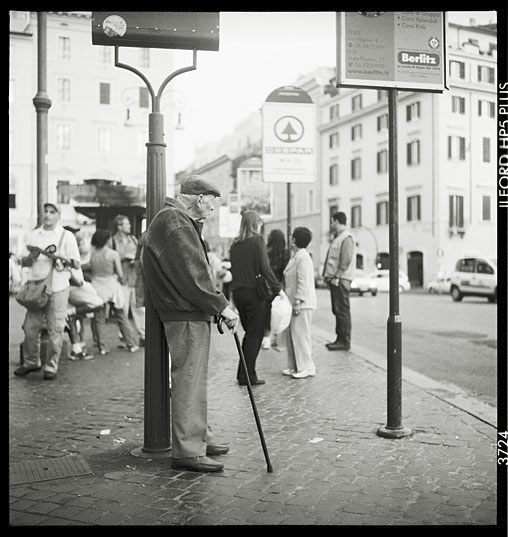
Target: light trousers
189, 347
55, 313
299, 341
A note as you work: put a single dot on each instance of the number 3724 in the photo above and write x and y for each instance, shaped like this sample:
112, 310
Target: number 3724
502, 448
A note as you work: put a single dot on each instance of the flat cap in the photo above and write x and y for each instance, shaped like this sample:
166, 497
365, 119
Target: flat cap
195, 184
50, 204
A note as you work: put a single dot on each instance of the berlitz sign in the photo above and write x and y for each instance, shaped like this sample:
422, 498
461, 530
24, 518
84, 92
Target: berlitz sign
289, 132
399, 49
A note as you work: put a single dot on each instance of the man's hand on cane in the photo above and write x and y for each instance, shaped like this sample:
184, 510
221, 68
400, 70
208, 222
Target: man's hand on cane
230, 318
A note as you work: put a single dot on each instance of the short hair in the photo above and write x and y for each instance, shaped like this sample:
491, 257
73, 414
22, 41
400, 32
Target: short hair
100, 238
340, 217
119, 219
302, 236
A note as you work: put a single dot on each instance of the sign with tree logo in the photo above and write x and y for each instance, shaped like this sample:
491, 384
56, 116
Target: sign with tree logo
289, 133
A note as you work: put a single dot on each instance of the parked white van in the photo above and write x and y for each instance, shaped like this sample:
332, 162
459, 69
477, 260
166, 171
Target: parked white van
474, 276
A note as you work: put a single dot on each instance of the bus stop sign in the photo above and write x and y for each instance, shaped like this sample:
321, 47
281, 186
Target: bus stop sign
156, 29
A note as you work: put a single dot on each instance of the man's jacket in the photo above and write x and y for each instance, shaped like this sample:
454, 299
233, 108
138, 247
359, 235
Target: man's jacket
176, 269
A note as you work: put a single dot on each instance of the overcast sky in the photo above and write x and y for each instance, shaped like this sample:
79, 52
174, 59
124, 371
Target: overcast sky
258, 52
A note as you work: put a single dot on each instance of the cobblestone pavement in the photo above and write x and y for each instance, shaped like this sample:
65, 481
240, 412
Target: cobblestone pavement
330, 466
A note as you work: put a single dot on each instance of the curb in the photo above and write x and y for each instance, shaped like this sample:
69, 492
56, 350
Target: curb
447, 392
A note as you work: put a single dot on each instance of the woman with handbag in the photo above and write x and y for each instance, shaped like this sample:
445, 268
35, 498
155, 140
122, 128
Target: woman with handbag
253, 284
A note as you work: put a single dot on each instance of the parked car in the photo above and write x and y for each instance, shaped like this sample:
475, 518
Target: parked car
474, 276
363, 283
382, 278
439, 285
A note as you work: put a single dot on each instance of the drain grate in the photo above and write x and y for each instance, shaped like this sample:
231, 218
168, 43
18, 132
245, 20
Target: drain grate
47, 469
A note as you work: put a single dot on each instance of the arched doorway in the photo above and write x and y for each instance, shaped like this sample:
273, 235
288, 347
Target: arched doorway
415, 268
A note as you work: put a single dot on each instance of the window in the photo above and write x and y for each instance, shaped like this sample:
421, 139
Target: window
381, 213
382, 95
104, 140
382, 122
485, 74
356, 103
143, 98
64, 48
458, 105
486, 208
334, 112
413, 111
356, 132
63, 136
332, 209
456, 148
457, 69
333, 140
456, 211
413, 153
486, 109
63, 89
105, 93
105, 54
144, 59
333, 174
413, 208
356, 216
465, 265
356, 168
382, 161
483, 268
12, 192
486, 149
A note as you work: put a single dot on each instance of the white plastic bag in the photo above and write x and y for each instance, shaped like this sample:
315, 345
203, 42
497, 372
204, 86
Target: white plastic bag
281, 313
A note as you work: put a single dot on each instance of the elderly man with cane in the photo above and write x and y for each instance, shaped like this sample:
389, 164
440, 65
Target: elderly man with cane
179, 280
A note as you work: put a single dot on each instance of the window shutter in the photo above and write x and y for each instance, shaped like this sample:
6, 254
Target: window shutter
451, 218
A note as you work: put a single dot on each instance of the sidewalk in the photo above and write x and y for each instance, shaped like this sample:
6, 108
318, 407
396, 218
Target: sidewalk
71, 441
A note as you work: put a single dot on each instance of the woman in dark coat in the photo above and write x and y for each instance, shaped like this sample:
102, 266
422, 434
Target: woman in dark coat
249, 257
278, 256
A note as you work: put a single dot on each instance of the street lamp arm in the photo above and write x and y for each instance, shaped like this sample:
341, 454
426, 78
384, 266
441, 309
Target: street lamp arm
135, 71
175, 74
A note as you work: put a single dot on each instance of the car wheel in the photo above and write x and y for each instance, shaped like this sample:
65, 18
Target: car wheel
456, 294
360, 293
373, 293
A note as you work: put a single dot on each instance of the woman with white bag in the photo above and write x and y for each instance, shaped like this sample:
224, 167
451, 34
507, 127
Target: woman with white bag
300, 289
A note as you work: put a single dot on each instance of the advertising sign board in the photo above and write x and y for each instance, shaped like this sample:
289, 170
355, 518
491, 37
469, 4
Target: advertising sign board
405, 50
192, 30
289, 137
253, 192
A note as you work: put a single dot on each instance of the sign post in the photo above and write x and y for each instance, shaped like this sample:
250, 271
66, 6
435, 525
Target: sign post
159, 29
401, 50
289, 140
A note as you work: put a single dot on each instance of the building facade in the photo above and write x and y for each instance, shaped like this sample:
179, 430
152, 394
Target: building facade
446, 164
98, 119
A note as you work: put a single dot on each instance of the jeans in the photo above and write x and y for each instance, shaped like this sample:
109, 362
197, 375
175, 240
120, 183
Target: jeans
341, 309
252, 310
55, 313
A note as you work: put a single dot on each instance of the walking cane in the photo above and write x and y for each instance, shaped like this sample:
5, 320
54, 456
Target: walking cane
251, 395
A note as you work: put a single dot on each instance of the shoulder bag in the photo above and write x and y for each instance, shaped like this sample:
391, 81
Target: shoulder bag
34, 294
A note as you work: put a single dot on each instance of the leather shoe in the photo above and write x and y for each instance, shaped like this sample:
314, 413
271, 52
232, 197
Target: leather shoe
197, 464
336, 342
49, 375
216, 449
21, 371
338, 347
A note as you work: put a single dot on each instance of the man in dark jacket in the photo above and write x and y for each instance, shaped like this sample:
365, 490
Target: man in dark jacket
179, 280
